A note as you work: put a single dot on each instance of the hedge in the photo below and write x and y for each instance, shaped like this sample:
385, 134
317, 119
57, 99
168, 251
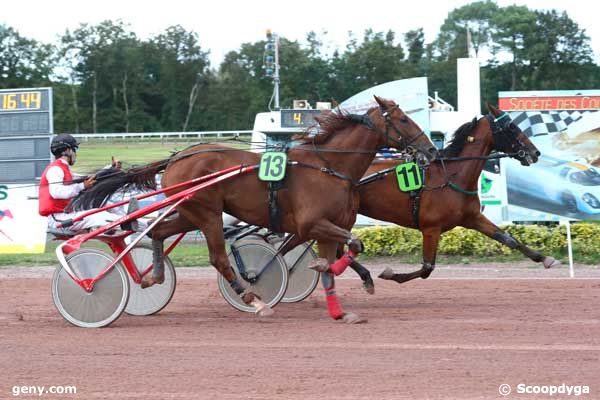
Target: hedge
396, 240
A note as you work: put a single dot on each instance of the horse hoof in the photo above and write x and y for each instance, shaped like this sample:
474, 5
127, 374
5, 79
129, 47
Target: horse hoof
262, 309
149, 280
387, 273
352, 318
550, 262
319, 265
265, 312
369, 287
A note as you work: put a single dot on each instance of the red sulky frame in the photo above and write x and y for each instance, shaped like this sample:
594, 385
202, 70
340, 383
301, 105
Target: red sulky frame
117, 244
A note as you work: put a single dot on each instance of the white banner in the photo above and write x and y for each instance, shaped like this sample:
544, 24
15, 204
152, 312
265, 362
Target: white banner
22, 229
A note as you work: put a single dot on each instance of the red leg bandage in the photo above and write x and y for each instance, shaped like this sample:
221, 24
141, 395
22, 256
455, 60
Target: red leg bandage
333, 304
342, 263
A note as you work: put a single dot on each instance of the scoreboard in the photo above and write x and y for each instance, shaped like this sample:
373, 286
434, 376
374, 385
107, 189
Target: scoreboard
25, 133
298, 118
25, 111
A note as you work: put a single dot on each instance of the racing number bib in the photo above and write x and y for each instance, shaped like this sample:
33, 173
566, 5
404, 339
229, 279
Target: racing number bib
409, 177
272, 166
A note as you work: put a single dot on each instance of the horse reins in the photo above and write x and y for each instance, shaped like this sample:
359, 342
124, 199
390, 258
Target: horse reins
415, 195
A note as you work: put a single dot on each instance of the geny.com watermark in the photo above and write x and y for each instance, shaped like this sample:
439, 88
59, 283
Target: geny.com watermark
42, 390
549, 390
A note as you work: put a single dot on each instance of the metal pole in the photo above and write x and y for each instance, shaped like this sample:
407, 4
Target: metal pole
276, 75
570, 249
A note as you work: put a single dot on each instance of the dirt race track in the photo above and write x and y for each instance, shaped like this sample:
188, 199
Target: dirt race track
449, 337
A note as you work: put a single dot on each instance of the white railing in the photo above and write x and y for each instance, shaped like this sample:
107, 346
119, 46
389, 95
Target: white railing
162, 135
436, 103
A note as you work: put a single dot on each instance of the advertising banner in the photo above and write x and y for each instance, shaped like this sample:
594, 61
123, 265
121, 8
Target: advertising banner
22, 229
565, 182
492, 192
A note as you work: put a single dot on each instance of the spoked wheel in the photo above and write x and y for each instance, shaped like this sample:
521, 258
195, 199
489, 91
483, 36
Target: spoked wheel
302, 281
270, 284
104, 304
153, 299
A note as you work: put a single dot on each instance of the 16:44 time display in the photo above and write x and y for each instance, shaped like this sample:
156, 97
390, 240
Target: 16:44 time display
20, 101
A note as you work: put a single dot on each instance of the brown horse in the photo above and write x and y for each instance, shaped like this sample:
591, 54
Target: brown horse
319, 199
449, 198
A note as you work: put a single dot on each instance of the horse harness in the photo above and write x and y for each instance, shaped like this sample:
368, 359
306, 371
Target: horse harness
500, 134
415, 195
274, 187
275, 213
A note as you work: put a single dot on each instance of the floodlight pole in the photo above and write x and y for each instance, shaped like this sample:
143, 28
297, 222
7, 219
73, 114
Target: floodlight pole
276, 73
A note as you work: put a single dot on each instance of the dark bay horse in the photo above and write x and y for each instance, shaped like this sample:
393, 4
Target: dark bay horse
319, 199
449, 198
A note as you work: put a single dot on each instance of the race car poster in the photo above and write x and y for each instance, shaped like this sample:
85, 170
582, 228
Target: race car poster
565, 182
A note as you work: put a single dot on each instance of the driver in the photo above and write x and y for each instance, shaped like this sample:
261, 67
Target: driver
57, 187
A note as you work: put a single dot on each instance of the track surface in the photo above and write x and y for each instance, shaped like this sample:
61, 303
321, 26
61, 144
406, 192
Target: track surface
449, 337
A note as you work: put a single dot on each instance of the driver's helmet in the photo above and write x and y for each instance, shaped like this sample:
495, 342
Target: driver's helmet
61, 143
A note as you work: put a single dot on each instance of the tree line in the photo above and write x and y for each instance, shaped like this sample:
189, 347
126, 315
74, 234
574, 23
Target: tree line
106, 79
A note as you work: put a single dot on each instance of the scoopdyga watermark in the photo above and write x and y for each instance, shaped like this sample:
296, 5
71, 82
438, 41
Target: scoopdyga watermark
548, 390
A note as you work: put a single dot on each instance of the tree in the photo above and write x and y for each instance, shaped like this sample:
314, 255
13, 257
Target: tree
556, 49
512, 25
23, 62
415, 43
105, 60
174, 61
376, 60
474, 18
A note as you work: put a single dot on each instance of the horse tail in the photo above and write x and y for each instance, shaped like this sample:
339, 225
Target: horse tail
137, 178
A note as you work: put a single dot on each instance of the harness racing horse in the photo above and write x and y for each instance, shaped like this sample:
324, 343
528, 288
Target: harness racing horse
319, 199
449, 197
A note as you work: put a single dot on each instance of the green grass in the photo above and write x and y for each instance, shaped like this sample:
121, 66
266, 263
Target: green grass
186, 254
95, 154
195, 254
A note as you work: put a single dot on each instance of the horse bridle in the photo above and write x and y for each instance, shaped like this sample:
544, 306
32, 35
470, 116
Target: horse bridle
504, 134
402, 143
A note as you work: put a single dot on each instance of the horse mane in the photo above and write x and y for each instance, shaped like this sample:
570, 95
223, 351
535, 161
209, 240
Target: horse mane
109, 181
329, 123
459, 139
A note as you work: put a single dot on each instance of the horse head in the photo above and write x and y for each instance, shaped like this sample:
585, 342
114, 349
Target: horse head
400, 131
509, 138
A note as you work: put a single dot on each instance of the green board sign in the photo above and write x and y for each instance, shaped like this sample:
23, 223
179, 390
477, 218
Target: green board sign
409, 177
272, 166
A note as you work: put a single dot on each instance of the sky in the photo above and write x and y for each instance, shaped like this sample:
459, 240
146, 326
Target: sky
224, 26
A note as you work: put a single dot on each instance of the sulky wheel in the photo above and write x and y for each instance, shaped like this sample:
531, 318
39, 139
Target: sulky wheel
270, 285
104, 304
302, 281
153, 299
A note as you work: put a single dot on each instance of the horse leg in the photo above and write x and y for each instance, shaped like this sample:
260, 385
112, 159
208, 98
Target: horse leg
327, 250
327, 234
326, 231
488, 228
431, 238
159, 233
363, 273
211, 224
365, 276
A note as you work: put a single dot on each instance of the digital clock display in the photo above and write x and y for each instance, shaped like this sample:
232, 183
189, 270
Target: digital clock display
34, 100
298, 118
25, 111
